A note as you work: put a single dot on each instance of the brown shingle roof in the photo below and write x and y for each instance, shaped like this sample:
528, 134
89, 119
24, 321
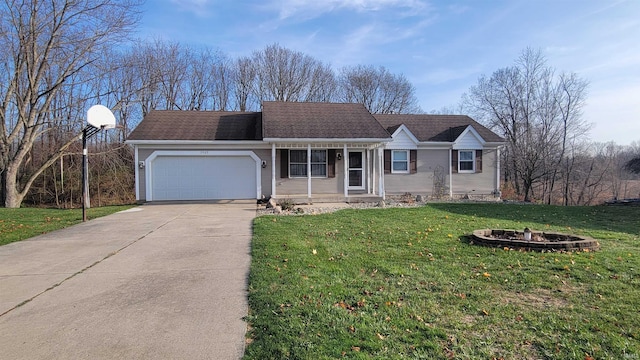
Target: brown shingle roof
307, 120
199, 125
291, 120
435, 127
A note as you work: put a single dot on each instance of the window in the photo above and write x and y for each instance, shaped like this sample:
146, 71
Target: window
399, 161
466, 161
298, 163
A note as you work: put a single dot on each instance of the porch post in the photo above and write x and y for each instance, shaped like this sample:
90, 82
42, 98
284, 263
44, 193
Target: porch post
498, 170
345, 157
309, 171
373, 172
366, 170
273, 170
381, 176
450, 174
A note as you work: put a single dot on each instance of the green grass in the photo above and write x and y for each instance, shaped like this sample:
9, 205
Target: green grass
23, 223
406, 284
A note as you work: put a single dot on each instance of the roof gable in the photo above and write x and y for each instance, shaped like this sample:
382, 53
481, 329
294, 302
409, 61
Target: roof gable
469, 139
309, 120
402, 139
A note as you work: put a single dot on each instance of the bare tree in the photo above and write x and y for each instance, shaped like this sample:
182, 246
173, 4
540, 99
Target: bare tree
282, 74
633, 163
222, 75
378, 90
537, 112
45, 43
244, 76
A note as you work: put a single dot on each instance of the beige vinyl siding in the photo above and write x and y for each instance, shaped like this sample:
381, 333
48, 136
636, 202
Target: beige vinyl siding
265, 174
422, 181
483, 183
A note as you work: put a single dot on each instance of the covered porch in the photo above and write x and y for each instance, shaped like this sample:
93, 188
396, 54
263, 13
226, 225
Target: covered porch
312, 171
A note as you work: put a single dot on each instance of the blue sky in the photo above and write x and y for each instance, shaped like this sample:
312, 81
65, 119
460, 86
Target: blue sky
442, 47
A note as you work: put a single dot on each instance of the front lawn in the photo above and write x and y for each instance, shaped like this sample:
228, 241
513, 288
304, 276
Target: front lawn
406, 283
23, 223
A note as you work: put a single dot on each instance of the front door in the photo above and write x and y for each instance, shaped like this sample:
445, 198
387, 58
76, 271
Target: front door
356, 170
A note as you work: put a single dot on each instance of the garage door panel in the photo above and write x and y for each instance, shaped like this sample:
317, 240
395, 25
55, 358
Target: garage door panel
203, 177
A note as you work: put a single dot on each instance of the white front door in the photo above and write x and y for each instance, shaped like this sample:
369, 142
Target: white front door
356, 170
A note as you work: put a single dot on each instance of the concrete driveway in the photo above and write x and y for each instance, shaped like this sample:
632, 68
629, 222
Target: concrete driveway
162, 281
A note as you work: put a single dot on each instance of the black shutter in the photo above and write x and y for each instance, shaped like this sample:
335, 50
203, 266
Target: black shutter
331, 163
387, 161
284, 163
454, 161
478, 161
413, 161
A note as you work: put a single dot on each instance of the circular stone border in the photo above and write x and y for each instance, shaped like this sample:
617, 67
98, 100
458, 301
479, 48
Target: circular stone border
554, 241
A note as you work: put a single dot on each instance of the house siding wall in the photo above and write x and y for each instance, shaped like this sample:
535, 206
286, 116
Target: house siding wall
483, 183
395, 184
420, 183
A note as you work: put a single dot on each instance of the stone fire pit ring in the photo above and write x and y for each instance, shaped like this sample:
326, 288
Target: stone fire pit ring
540, 241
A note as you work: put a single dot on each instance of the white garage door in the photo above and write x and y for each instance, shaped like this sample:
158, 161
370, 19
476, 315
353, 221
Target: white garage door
203, 177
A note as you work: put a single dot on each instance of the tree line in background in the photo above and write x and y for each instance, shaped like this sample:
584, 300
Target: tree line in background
548, 156
61, 57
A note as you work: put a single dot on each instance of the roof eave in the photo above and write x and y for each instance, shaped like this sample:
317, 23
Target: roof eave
325, 140
193, 142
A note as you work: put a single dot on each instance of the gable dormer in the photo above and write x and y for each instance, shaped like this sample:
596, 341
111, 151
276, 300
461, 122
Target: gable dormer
469, 139
402, 139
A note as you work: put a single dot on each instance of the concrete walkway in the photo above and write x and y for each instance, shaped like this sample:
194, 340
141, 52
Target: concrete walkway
162, 281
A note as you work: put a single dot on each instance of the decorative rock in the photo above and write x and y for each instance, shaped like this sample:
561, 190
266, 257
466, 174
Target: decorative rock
277, 209
381, 204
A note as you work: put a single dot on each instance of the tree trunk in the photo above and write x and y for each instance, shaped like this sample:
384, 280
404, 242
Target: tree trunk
12, 197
